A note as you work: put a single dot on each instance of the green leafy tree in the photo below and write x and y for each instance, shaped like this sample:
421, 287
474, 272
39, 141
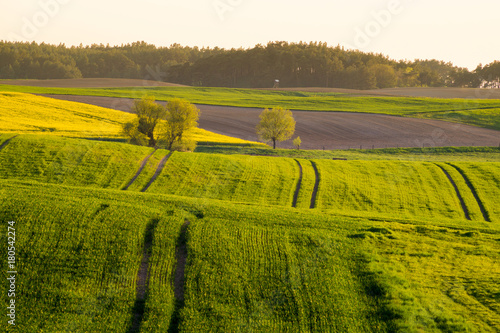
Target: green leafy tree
142, 129
181, 116
276, 125
385, 76
158, 126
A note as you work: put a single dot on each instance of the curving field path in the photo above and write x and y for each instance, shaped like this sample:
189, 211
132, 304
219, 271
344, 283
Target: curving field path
330, 130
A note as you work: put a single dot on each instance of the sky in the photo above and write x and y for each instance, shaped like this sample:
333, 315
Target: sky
463, 32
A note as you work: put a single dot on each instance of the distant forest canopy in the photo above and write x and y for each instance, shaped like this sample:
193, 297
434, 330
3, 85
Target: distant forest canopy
294, 64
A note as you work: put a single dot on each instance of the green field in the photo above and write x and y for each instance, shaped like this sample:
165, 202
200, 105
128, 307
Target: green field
485, 179
393, 240
483, 113
249, 268
436, 154
405, 189
260, 180
71, 162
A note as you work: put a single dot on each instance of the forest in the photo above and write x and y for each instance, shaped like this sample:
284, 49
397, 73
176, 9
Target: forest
313, 64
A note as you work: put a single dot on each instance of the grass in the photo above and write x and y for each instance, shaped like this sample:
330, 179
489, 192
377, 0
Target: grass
483, 113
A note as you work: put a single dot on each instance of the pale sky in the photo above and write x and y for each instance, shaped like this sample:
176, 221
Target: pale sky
463, 32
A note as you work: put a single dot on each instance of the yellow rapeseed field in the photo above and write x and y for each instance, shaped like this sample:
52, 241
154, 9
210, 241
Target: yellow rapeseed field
30, 114
26, 113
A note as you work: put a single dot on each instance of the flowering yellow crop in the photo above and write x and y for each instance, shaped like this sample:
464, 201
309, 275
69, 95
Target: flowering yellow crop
26, 113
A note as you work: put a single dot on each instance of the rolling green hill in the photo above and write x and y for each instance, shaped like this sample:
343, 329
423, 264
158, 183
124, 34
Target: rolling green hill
119, 238
408, 189
249, 268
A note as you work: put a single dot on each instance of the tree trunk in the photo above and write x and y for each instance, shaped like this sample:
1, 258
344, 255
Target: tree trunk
274, 143
152, 141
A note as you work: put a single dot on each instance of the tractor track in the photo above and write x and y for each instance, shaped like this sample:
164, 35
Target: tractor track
474, 192
297, 189
142, 279
6, 142
460, 198
158, 171
143, 165
316, 186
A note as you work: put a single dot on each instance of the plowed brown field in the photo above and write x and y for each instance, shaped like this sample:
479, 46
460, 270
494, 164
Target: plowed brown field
330, 130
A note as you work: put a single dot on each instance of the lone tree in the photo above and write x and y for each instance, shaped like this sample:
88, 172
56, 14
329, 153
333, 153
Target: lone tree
158, 126
297, 142
276, 125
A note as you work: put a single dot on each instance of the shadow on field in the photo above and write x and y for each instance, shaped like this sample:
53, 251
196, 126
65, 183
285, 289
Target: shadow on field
181, 253
143, 279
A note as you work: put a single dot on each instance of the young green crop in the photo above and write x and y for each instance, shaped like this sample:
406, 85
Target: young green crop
470, 202
436, 154
249, 267
70, 161
485, 180
246, 277
434, 279
252, 179
399, 189
77, 259
161, 305
149, 170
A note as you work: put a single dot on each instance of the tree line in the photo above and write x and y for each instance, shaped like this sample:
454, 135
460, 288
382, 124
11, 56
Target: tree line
294, 64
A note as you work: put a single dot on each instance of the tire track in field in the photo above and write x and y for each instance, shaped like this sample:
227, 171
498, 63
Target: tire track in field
297, 190
178, 283
143, 165
460, 198
158, 171
485, 213
316, 186
181, 263
143, 279
6, 142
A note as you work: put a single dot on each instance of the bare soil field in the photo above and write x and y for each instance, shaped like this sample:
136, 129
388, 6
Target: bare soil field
330, 130
468, 93
90, 83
